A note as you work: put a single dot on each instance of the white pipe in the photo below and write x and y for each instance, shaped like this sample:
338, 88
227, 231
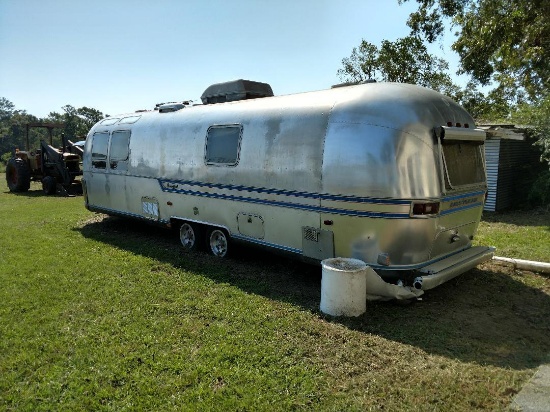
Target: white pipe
525, 264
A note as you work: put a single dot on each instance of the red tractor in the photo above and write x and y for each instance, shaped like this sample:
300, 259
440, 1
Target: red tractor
56, 168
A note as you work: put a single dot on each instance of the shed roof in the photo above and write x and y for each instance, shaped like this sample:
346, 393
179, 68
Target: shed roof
504, 131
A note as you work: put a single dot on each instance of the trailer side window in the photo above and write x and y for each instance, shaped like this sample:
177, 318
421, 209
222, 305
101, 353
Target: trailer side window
100, 143
223, 145
118, 157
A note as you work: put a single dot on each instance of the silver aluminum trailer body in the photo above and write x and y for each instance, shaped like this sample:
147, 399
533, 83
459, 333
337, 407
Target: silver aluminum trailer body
392, 174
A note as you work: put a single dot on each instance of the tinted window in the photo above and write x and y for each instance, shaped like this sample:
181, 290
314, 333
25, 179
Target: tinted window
119, 145
118, 156
223, 144
463, 164
100, 143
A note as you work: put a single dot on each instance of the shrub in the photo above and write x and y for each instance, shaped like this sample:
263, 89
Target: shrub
4, 161
539, 195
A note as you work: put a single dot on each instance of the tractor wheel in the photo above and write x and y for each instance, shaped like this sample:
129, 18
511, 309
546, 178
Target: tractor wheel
49, 185
18, 175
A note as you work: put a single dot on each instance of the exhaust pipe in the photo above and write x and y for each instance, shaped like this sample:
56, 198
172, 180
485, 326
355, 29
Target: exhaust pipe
417, 282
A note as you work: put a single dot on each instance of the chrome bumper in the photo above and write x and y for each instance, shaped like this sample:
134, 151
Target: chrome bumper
443, 270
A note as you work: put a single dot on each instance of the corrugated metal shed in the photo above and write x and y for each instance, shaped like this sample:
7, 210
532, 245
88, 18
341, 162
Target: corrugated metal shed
507, 154
492, 153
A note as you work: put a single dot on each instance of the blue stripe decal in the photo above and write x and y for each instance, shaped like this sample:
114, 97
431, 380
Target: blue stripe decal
308, 195
458, 209
451, 198
299, 206
462, 202
172, 186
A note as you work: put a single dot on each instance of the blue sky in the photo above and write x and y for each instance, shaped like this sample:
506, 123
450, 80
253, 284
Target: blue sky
120, 55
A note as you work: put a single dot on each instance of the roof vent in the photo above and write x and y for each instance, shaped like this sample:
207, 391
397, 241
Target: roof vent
235, 90
172, 106
353, 83
169, 107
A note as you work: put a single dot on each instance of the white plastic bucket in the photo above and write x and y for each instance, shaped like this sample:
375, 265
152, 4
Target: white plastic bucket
343, 287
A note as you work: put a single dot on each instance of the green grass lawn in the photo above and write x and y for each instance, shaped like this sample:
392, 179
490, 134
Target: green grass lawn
517, 234
100, 313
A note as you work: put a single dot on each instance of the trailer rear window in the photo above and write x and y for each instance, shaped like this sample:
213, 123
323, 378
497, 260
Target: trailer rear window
223, 145
100, 143
463, 164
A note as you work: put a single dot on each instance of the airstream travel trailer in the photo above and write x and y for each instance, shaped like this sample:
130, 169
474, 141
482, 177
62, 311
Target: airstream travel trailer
391, 174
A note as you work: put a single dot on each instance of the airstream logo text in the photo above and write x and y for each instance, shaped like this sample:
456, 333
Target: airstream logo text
171, 185
463, 202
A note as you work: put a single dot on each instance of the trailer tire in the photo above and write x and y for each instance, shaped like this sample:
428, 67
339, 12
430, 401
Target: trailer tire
218, 242
190, 236
18, 175
49, 185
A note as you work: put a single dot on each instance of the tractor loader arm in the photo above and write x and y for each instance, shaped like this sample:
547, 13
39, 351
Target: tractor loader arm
53, 163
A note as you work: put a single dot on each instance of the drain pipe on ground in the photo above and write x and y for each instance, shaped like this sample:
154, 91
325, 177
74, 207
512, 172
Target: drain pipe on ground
524, 264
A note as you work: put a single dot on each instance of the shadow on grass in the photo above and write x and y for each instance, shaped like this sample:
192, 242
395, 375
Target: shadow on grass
535, 217
71, 192
488, 316
30, 193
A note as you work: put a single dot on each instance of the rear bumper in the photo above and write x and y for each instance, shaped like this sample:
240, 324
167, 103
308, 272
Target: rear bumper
443, 270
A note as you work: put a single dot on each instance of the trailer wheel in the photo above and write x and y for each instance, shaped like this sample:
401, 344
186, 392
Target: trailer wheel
49, 185
218, 242
18, 175
190, 236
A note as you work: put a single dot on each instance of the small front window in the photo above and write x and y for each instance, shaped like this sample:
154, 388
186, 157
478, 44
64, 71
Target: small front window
223, 145
100, 143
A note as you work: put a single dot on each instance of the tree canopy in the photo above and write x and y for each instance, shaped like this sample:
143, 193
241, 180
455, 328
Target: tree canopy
405, 61
503, 44
505, 41
13, 125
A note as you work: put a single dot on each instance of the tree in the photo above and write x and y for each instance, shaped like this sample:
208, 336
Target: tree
6, 109
13, 125
405, 61
502, 41
77, 121
497, 40
538, 117
88, 117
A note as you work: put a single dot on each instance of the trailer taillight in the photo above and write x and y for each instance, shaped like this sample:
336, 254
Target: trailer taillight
425, 209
